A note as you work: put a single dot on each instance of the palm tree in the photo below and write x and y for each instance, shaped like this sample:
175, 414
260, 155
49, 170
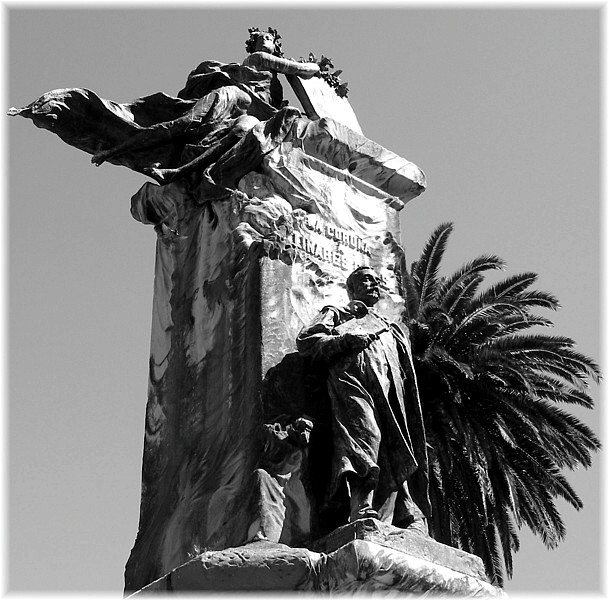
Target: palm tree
489, 389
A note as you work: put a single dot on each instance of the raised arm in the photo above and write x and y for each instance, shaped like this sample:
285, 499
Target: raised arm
263, 61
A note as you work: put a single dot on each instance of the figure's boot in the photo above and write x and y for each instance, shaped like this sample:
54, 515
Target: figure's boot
361, 492
406, 514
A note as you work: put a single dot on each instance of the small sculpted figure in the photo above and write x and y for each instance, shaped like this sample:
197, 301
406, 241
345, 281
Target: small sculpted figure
378, 434
166, 137
280, 503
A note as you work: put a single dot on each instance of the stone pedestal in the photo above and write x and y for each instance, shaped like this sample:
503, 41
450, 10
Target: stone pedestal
376, 558
238, 274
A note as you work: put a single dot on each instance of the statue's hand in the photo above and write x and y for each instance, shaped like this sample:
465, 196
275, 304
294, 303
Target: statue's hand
100, 157
356, 341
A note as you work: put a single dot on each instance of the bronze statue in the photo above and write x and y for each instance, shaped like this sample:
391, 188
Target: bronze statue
378, 433
166, 137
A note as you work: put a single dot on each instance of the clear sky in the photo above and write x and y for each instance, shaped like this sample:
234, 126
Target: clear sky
500, 108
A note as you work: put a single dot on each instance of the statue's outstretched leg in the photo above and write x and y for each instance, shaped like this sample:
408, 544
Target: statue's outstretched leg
211, 155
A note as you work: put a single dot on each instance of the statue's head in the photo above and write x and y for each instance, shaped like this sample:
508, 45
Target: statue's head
364, 285
264, 41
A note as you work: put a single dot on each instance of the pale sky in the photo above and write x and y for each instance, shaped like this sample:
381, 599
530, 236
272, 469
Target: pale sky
500, 108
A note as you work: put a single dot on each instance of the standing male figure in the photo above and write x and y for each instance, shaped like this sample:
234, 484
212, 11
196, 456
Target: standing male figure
378, 433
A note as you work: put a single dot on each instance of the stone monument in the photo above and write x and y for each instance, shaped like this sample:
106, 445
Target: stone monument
284, 446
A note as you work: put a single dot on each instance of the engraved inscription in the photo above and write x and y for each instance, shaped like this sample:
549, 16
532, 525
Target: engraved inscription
331, 244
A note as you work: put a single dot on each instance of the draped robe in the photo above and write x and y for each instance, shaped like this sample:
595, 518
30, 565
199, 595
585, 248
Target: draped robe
378, 430
214, 95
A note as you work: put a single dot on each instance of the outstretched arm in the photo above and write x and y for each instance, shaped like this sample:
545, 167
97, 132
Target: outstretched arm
263, 61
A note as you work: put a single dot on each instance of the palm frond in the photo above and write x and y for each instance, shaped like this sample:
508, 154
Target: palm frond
513, 288
425, 271
475, 267
490, 389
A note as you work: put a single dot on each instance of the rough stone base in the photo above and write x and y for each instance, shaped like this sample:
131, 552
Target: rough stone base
411, 541
369, 557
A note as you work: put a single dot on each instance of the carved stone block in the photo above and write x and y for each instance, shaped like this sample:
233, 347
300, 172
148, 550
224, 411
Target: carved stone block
358, 566
411, 541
